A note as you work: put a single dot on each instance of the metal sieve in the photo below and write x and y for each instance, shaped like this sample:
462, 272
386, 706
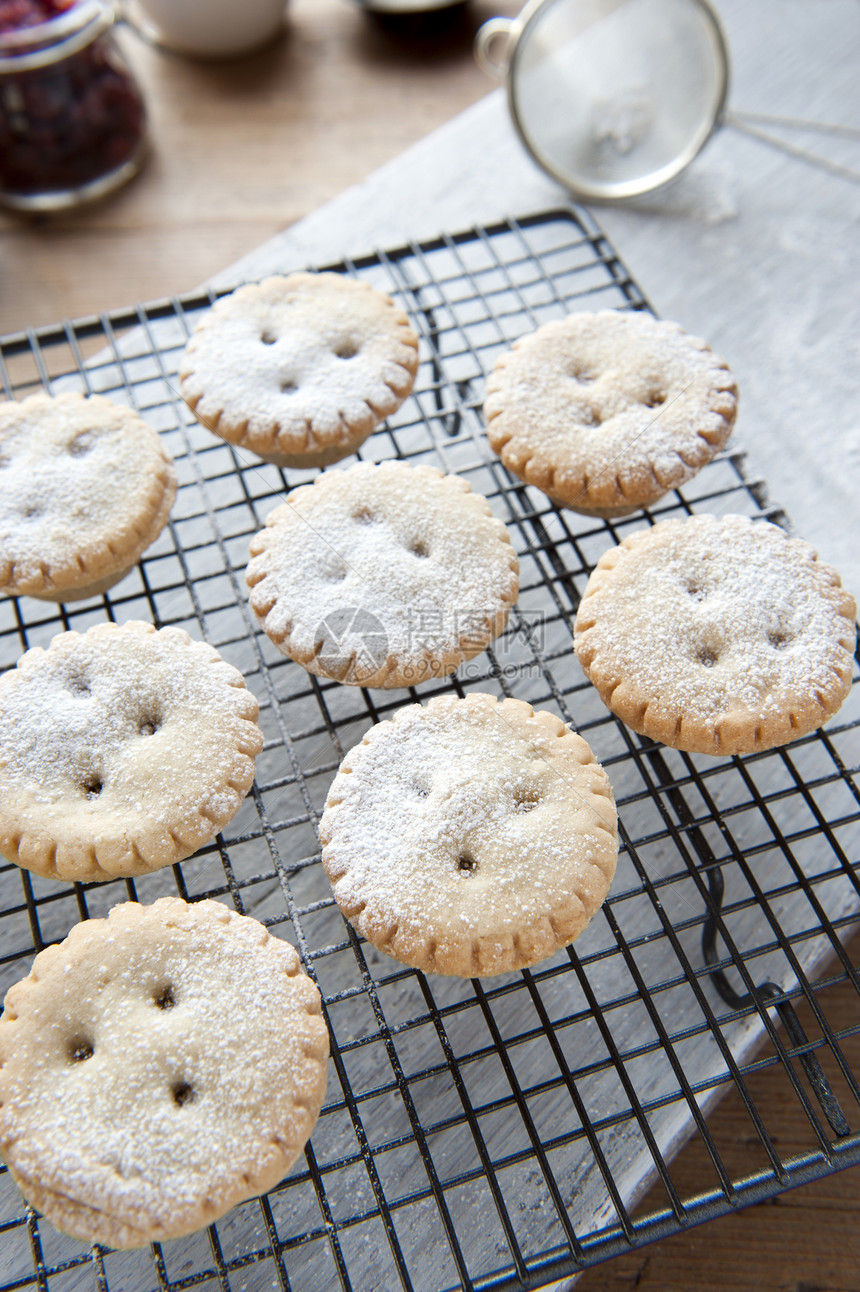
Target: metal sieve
612, 97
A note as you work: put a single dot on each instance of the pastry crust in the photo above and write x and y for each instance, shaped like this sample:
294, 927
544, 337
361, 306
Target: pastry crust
158, 1067
87, 486
383, 575
471, 836
299, 369
122, 750
717, 635
606, 412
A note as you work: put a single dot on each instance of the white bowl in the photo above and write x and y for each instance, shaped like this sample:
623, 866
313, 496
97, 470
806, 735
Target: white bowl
207, 28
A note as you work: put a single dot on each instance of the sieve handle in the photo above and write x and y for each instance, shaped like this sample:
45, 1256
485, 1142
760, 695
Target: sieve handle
498, 32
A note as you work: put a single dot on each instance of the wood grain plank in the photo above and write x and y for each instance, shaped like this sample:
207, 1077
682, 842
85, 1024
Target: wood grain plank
805, 1240
240, 150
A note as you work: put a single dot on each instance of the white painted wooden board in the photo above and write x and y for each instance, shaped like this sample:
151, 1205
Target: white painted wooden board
757, 252
681, 992
753, 249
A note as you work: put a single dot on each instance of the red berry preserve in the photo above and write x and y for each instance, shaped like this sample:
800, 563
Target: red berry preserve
72, 120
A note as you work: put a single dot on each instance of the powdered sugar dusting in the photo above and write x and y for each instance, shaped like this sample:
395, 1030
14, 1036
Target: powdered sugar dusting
417, 550
297, 363
120, 738
82, 483
198, 1073
469, 820
610, 408
715, 616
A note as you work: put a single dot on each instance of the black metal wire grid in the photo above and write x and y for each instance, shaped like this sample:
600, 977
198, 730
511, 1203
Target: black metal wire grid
496, 1134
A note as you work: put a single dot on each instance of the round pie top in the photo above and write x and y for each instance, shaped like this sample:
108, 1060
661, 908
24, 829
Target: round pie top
383, 575
299, 368
470, 836
607, 411
85, 487
158, 1067
121, 750
717, 635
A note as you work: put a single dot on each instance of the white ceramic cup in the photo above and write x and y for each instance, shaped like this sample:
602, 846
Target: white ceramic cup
207, 28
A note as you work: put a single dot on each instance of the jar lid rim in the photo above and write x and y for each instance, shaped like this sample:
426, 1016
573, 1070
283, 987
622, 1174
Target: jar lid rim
79, 15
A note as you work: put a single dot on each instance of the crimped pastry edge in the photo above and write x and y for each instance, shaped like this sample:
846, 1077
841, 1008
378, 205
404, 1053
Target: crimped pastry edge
84, 1220
94, 571
483, 956
313, 446
42, 853
737, 732
395, 671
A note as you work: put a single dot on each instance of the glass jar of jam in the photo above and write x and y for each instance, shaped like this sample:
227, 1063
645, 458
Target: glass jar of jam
72, 120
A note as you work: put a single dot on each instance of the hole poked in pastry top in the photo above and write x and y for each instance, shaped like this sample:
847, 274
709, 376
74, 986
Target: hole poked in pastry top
85, 487
717, 635
126, 1122
431, 854
606, 411
299, 369
383, 575
122, 749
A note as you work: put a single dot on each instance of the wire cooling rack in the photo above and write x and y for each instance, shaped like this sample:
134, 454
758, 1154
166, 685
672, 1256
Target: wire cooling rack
476, 1134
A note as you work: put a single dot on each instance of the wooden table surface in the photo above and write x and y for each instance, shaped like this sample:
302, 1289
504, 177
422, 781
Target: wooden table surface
240, 151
